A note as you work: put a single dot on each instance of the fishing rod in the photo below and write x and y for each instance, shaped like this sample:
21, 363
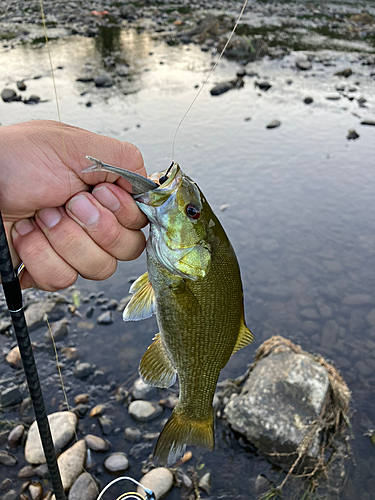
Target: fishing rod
13, 296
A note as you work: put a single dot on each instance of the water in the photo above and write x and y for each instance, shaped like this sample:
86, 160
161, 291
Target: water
300, 210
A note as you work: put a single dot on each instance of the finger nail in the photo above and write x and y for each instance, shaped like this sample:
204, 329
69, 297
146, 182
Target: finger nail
106, 198
50, 216
23, 226
82, 208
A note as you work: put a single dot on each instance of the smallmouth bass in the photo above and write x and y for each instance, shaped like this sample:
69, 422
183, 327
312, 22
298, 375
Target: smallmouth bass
194, 287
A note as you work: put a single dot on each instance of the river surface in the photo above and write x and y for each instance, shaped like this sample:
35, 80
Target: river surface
298, 199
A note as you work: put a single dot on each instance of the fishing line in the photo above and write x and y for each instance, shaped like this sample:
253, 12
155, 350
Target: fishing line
207, 78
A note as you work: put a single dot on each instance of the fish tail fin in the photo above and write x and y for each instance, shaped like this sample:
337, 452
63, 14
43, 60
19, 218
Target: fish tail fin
180, 431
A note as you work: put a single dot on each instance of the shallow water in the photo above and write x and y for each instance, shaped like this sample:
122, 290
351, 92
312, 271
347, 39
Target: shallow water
300, 209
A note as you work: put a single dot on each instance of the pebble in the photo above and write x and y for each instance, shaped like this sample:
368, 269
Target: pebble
90, 311
368, 121
11, 396
303, 64
59, 331
5, 324
352, 135
159, 480
71, 463
96, 443
150, 436
307, 100
84, 488
106, 425
83, 370
263, 85
14, 357
81, 399
10, 495
15, 435
261, 484
117, 462
6, 484
26, 472
221, 88
97, 411
123, 303
141, 390
69, 352
9, 95
132, 434
112, 305
333, 97
273, 124
106, 318
63, 425
33, 99
35, 312
104, 81
144, 410
36, 490
7, 459
205, 483
345, 73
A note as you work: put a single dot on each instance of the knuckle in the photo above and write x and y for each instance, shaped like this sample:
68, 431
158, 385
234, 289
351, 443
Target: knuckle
105, 270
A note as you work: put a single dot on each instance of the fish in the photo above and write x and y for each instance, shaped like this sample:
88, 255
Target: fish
193, 285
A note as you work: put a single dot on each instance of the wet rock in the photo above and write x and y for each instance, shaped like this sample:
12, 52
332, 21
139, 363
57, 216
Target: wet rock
358, 299
123, 303
97, 410
333, 97
80, 410
261, 484
307, 100
106, 318
345, 73
59, 330
96, 443
81, 399
9, 95
285, 391
83, 370
10, 495
352, 135
11, 396
7, 459
35, 313
42, 471
132, 434
205, 483
106, 425
143, 391
36, 490
84, 488
90, 312
144, 410
117, 462
104, 81
112, 305
15, 435
221, 88
368, 122
33, 99
6, 484
263, 85
14, 357
5, 324
150, 436
303, 64
274, 124
159, 480
69, 352
26, 472
63, 425
71, 463
85, 78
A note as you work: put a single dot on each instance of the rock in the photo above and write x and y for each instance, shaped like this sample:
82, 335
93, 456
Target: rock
5, 324
144, 410
35, 313
369, 122
358, 299
42, 471
221, 88
9, 95
14, 357
83, 370
106, 425
104, 81
33, 99
97, 410
273, 124
71, 463
6, 484
263, 85
90, 312
59, 331
150, 436
205, 483
11, 396
132, 434
81, 399
96, 443
26, 472
329, 334
352, 135
84, 488
36, 490
159, 480
261, 484
123, 303
63, 425
10, 495
143, 391
7, 459
345, 73
303, 64
362, 18
116, 463
106, 318
85, 78
15, 435
112, 305
80, 410
122, 70
69, 352
333, 97
307, 100
284, 393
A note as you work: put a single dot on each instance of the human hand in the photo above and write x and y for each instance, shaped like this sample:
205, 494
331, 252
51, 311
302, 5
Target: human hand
56, 223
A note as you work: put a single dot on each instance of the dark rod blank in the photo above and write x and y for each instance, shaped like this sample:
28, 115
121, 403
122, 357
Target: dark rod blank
13, 296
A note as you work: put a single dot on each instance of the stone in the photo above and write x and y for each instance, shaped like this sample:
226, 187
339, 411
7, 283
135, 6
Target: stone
15, 435
358, 299
263, 85
69, 352
97, 410
221, 88
80, 410
96, 443
345, 73
5, 324
116, 463
33, 99
9, 95
132, 434
274, 124
144, 410
106, 318
7, 459
59, 331
81, 399
84, 488
141, 390
26, 472
11, 396
36, 490
352, 135
10, 495
14, 357
205, 483
83, 370
261, 484
284, 393
159, 480
333, 97
104, 81
106, 425
63, 425
6, 484
303, 64
35, 313
71, 463
307, 100
112, 305
123, 303
369, 122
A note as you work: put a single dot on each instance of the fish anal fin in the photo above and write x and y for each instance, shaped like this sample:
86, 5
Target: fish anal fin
156, 368
245, 337
142, 304
179, 432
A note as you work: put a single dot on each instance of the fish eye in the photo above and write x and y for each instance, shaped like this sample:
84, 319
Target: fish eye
192, 211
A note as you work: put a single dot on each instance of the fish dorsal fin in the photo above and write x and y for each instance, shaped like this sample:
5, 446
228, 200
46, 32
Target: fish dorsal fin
156, 368
245, 337
142, 304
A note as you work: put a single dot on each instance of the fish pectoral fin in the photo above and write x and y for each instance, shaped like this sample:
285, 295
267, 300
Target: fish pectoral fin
156, 368
142, 304
245, 337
